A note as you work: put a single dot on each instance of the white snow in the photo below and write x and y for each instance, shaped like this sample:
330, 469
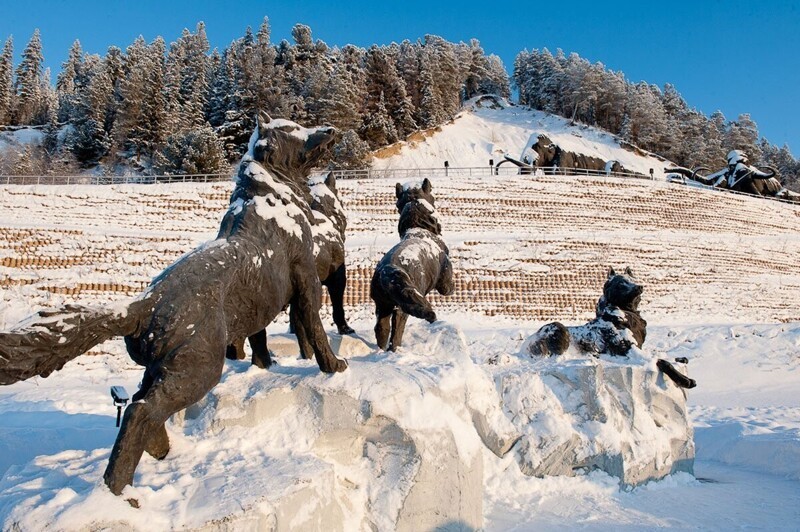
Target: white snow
721, 288
479, 134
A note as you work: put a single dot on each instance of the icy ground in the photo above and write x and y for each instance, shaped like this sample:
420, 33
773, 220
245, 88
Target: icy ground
746, 413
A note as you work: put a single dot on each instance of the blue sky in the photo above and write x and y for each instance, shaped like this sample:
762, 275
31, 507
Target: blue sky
734, 56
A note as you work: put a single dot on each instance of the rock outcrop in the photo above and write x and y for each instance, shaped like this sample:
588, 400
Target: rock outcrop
583, 414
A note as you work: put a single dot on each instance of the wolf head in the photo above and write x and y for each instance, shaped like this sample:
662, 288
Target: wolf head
413, 191
621, 290
287, 149
418, 214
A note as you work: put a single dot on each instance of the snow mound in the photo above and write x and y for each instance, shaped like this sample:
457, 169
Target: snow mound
489, 128
394, 443
616, 415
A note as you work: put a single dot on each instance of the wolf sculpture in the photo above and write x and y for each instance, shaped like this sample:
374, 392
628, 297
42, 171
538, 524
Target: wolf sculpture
328, 230
418, 264
617, 327
178, 329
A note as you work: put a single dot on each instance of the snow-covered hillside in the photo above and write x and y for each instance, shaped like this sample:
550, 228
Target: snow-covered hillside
489, 129
721, 288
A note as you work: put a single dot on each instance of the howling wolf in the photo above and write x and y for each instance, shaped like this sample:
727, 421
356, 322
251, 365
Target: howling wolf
178, 329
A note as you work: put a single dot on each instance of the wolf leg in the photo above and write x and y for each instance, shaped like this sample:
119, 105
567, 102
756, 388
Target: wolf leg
336, 285
235, 351
399, 319
306, 351
189, 374
307, 298
383, 314
258, 344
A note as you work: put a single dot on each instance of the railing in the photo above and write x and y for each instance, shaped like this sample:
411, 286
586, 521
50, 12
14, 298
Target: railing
481, 171
110, 180
366, 173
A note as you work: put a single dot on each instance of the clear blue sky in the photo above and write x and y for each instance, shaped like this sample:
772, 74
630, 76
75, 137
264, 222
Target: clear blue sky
734, 56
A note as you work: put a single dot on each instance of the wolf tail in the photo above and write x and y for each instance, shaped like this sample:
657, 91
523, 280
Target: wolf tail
51, 338
400, 287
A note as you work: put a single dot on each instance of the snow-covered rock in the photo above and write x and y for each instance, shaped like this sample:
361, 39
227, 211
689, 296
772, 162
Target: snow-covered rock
579, 414
394, 443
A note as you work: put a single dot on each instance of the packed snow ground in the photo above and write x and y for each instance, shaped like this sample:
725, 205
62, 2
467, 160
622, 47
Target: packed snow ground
55, 435
101, 244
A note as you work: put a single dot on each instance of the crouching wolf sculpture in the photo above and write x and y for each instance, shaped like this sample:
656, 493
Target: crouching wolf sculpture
178, 329
617, 327
411, 269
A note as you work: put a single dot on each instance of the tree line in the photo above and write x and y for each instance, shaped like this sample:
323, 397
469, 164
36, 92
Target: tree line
185, 108
655, 119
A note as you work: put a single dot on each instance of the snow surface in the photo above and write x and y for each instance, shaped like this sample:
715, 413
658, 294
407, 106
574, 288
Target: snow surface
718, 271
479, 134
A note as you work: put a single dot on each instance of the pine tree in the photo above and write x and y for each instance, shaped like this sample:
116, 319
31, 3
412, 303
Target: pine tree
476, 69
351, 152
89, 140
29, 82
495, 80
7, 96
447, 84
742, 134
50, 105
130, 127
339, 102
187, 80
385, 83
65, 83
378, 129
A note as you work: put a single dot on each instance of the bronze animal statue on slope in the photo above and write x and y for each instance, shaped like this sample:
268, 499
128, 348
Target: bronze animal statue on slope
740, 176
178, 329
545, 154
418, 264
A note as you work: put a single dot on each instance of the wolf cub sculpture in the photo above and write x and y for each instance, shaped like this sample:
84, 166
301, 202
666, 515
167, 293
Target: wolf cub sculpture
418, 264
617, 327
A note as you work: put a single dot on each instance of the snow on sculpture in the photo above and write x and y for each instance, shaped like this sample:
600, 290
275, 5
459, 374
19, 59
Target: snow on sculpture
740, 176
178, 329
416, 265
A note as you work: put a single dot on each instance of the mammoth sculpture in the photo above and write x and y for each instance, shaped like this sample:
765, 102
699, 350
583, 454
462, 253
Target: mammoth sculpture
740, 176
544, 153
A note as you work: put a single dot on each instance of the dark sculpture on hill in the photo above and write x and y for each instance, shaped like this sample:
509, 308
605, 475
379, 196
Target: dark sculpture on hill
178, 329
740, 176
418, 264
617, 327
544, 153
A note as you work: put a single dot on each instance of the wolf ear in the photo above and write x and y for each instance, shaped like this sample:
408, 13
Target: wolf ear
611, 272
398, 190
628, 271
330, 182
426, 185
262, 119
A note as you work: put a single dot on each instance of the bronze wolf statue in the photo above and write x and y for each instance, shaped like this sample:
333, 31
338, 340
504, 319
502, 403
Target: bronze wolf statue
178, 329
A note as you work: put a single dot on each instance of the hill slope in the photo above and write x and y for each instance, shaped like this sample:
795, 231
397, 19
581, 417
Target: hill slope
486, 130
